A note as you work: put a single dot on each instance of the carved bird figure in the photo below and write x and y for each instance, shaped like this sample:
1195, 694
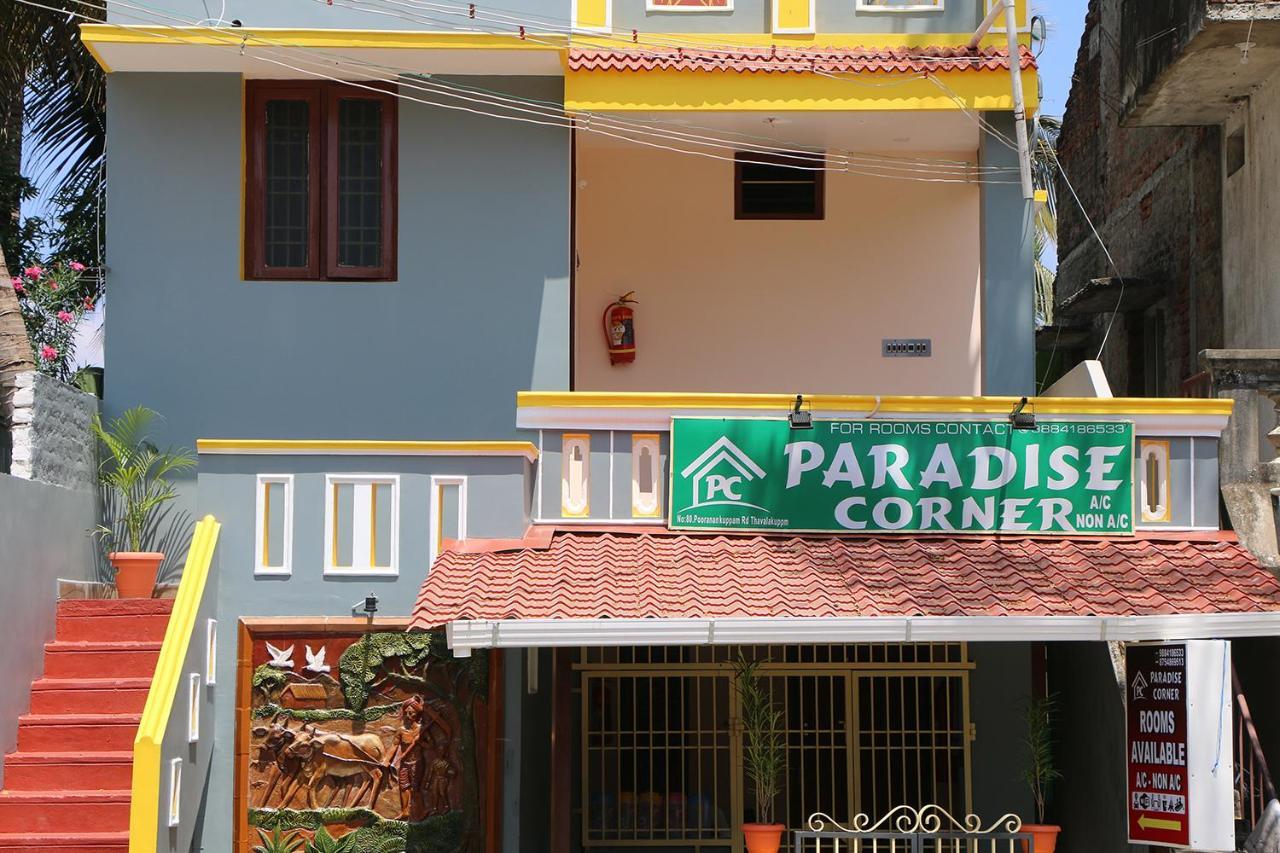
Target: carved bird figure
315, 661
280, 658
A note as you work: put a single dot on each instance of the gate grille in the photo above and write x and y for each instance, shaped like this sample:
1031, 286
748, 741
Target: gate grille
867, 728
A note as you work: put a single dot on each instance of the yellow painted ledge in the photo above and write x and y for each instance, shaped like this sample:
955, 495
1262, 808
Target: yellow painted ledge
843, 403
320, 447
651, 91
97, 34
148, 767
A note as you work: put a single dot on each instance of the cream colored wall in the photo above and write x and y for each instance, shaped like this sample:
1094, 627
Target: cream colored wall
773, 306
1250, 211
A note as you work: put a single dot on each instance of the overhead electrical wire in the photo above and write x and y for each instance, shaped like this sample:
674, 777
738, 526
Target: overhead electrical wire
871, 166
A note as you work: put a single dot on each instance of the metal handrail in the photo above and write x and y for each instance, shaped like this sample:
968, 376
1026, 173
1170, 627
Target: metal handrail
1251, 765
910, 828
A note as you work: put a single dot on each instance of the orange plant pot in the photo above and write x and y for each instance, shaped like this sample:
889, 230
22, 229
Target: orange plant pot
1043, 835
762, 837
136, 572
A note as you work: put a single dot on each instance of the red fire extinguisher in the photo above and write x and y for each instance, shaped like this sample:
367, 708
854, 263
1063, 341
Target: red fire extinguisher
620, 330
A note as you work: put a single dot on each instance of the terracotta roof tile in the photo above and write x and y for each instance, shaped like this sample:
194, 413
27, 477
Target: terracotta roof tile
609, 574
826, 60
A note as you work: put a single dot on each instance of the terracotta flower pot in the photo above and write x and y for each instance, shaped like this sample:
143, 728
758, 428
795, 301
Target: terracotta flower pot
135, 572
762, 837
1043, 835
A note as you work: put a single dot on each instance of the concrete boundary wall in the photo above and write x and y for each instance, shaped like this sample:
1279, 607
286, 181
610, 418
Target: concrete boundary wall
44, 536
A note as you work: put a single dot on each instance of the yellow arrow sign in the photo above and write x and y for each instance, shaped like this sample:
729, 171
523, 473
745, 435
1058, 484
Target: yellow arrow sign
1159, 823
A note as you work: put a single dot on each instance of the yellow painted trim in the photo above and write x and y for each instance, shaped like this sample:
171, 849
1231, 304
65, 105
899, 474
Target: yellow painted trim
798, 40
357, 447
266, 523
1166, 486
591, 14
705, 91
849, 403
793, 16
93, 51
144, 806
585, 440
327, 38
373, 525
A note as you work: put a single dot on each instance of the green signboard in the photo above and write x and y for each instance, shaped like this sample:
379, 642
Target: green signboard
906, 476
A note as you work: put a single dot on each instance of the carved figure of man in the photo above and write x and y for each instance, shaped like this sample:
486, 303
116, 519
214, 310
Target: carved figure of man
406, 756
439, 778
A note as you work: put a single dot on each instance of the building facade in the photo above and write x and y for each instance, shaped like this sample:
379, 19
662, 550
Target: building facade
549, 365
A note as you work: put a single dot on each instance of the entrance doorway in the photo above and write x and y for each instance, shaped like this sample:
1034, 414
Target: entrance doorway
866, 728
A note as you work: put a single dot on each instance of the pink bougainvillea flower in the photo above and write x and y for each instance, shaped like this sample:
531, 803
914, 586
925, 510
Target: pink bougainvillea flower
33, 272
65, 317
48, 353
88, 304
53, 285
77, 266
17, 284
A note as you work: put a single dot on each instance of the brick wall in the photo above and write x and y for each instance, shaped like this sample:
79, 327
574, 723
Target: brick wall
1154, 194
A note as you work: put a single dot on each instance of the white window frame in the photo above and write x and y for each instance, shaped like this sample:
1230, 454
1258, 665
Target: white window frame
1164, 510
998, 29
175, 791
582, 28
567, 442
649, 6
778, 29
914, 8
260, 527
193, 707
211, 653
639, 441
361, 534
438, 482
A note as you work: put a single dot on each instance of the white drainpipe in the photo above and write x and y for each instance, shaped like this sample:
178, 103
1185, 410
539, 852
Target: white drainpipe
1015, 79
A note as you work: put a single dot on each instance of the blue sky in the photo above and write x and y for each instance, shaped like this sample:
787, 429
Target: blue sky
1065, 20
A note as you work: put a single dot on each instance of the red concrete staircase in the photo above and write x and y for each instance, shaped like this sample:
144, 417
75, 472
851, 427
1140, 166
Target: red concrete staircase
67, 786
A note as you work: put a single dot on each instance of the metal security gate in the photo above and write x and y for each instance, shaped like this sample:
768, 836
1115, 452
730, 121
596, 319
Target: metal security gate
927, 829
866, 728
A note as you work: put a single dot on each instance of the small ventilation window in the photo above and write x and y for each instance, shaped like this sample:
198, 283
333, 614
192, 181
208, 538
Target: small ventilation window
449, 512
1154, 476
361, 525
575, 476
273, 554
778, 186
646, 477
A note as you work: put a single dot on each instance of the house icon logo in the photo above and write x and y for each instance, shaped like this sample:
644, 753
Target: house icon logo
718, 475
1139, 688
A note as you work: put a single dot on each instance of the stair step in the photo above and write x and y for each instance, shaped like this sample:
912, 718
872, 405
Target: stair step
68, 771
66, 842
90, 660
77, 732
112, 627
89, 695
64, 811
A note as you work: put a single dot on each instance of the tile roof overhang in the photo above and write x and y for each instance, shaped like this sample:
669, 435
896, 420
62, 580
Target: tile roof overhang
819, 60
632, 586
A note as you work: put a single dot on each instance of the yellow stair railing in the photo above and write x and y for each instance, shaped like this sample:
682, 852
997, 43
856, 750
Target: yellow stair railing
145, 825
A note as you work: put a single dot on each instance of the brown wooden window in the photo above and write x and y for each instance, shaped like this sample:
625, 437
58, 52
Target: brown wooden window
777, 186
320, 192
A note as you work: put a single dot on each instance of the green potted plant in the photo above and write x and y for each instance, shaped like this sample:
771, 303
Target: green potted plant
134, 475
1041, 772
763, 755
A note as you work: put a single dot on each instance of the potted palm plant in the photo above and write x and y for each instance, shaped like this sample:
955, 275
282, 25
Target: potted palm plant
763, 755
1041, 772
134, 475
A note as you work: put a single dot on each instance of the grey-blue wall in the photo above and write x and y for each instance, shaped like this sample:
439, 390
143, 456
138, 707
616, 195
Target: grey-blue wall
999, 690
497, 507
44, 535
834, 16
481, 309
1008, 311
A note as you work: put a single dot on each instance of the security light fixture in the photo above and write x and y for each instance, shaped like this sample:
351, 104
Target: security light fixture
800, 419
1020, 419
369, 606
